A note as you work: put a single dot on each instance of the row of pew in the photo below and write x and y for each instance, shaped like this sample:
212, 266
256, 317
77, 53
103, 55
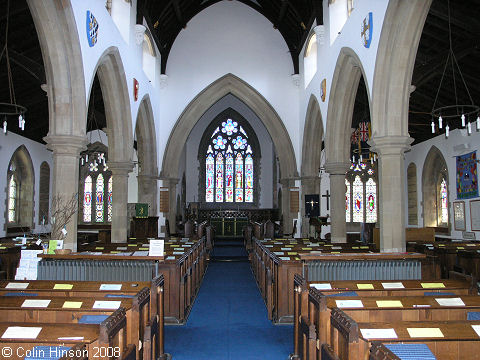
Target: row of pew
410, 319
82, 319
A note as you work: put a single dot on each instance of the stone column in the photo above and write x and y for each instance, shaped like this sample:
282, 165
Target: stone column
171, 184
337, 201
147, 192
120, 172
66, 153
310, 185
287, 184
391, 202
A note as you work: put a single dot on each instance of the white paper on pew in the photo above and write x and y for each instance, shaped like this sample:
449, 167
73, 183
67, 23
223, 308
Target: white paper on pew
109, 287
156, 247
12, 285
279, 253
336, 248
170, 258
379, 333
21, 332
349, 303
186, 245
178, 253
477, 329
286, 249
450, 301
36, 303
284, 258
322, 286
122, 248
106, 304
278, 243
314, 244
268, 245
71, 338
140, 253
393, 285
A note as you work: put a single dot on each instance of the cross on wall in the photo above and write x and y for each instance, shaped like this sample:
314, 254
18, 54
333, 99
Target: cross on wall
327, 196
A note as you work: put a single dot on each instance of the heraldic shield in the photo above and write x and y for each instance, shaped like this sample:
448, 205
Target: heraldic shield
92, 29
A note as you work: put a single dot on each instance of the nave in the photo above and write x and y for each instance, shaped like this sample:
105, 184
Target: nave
229, 320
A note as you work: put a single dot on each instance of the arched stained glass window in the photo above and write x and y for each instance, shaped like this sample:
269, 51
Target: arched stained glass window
361, 193
12, 199
371, 201
357, 200
444, 200
109, 199
87, 199
99, 199
347, 201
229, 165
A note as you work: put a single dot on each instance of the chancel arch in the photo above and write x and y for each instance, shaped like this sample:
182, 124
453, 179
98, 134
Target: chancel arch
228, 84
435, 190
311, 154
20, 192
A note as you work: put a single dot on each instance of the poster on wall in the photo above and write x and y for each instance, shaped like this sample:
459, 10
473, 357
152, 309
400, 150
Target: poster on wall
475, 215
459, 215
467, 179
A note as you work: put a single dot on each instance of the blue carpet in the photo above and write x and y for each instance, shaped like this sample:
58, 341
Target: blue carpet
229, 321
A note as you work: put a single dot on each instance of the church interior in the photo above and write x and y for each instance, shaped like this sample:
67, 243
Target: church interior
239, 179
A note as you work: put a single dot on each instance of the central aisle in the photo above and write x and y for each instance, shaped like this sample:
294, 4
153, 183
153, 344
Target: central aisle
229, 321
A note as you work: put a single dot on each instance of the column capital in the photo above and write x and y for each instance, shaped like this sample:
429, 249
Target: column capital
287, 182
169, 180
390, 145
66, 144
147, 177
337, 168
120, 167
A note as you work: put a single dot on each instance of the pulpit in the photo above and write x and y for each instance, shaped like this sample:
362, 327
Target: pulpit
142, 228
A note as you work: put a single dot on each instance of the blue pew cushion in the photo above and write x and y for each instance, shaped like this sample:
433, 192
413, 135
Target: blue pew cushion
92, 319
433, 293
347, 293
20, 294
473, 315
47, 352
411, 351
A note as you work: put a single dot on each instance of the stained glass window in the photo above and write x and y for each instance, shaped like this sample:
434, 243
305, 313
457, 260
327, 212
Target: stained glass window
444, 199
87, 199
347, 201
229, 165
357, 200
99, 199
109, 199
12, 199
371, 198
219, 178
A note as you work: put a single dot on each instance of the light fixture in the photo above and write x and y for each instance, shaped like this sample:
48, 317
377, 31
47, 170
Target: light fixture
11, 109
455, 111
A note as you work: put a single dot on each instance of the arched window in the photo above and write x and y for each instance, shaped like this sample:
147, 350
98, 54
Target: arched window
19, 192
12, 199
44, 194
229, 154
96, 186
435, 190
361, 193
310, 59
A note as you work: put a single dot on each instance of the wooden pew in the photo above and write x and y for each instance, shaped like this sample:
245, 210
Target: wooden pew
101, 341
448, 340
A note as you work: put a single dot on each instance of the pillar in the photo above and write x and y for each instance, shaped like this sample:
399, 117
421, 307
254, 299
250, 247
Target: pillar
391, 204
171, 184
337, 173
147, 192
66, 153
120, 172
287, 215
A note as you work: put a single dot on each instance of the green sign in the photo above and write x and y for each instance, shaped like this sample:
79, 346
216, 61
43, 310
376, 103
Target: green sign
141, 210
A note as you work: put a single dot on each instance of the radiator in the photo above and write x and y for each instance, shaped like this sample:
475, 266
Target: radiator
97, 270
363, 270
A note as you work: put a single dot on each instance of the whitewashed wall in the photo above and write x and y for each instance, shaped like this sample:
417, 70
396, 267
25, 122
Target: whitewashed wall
466, 144
38, 153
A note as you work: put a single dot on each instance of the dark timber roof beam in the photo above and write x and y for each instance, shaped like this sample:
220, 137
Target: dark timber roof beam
178, 13
281, 15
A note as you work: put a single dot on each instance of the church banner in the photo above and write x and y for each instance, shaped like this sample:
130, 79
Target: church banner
467, 179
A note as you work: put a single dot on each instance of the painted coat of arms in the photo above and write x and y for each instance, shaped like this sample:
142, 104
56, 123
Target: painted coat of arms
92, 29
367, 30
323, 89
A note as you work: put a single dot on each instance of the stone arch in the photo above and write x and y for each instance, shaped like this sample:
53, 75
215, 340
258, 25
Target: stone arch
147, 155
311, 155
346, 77
228, 84
434, 170
21, 167
397, 50
111, 75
